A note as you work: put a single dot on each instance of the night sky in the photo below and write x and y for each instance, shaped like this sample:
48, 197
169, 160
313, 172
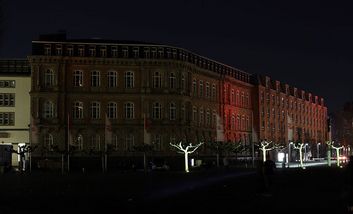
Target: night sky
307, 45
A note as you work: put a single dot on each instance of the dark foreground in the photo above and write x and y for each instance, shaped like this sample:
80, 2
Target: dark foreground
314, 190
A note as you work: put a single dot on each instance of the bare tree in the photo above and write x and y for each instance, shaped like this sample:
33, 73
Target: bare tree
186, 150
266, 146
337, 148
299, 146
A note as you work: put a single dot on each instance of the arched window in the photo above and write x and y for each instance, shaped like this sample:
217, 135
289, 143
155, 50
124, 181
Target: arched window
49, 78
49, 142
78, 110
95, 110
233, 122
172, 111
112, 110
129, 110
157, 111
48, 110
157, 79
129, 79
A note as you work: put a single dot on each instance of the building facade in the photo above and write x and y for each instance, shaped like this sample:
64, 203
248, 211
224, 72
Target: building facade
15, 79
178, 94
287, 114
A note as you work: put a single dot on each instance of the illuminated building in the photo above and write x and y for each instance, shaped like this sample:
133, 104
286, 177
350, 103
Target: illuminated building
15, 81
179, 92
285, 113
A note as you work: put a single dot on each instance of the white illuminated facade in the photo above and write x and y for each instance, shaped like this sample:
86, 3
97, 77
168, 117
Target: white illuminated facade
15, 81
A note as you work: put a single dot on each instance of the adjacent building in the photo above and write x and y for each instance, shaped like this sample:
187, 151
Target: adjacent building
15, 79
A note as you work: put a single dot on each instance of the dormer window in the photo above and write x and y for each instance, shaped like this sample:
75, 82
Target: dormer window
103, 51
92, 51
47, 50
147, 52
125, 52
81, 50
70, 51
136, 52
58, 50
114, 51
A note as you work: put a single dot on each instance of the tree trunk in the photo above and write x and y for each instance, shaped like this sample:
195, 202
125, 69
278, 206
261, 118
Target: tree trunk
186, 162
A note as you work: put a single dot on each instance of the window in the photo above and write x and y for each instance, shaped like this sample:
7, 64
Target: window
7, 118
95, 78
48, 109
115, 142
147, 52
92, 51
157, 79
208, 89
129, 110
232, 97
194, 114
49, 142
78, 110
194, 87
172, 111
95, 142
182, 112
70, 51
201, 121
182, 82
154, 52
7, 100
7, 83
47, 50
114, 51
95, 110
125, 52
112, 79
112, 110
59, 50
129, 79
103, 51
157, 111
201, 88
161, 52
129, 142
172, 80
213, 91
49, 78
233, 122
136, 52
81, 50
237, 98
208, 117
78, 78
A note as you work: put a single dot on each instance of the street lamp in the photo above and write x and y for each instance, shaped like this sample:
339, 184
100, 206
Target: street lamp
318, 150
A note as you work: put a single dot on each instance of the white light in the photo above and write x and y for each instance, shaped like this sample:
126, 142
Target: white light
192, 162
280, 156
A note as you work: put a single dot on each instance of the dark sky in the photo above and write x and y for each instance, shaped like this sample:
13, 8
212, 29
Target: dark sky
308, 45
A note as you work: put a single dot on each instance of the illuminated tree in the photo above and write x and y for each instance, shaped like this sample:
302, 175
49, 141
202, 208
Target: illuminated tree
186, 150
299, 146
265, 146
337, 153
